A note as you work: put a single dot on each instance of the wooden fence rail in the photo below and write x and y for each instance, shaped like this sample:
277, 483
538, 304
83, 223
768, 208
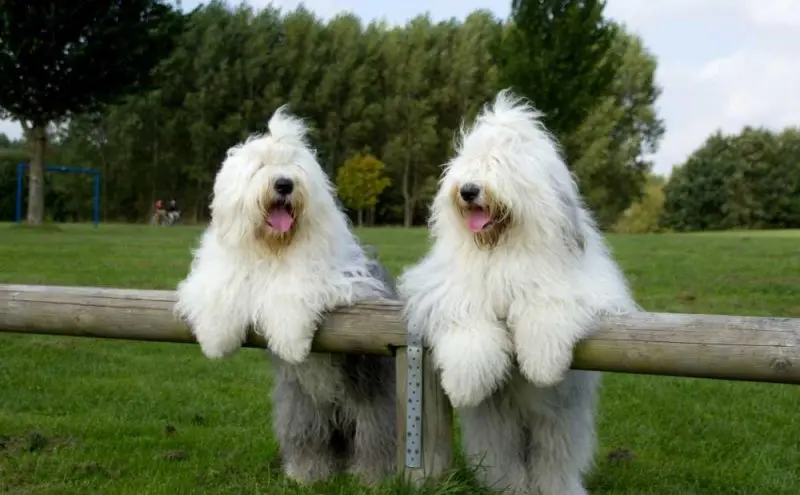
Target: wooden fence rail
702, 346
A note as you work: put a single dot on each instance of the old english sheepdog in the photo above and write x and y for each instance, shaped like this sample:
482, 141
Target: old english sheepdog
277, 255
517, 274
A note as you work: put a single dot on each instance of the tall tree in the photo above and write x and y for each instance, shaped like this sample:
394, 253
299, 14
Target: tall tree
334, 97
61, 58
410, 110
615, 142
556, 53
468, 74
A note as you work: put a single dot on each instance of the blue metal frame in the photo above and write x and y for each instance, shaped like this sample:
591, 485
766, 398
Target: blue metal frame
61, 168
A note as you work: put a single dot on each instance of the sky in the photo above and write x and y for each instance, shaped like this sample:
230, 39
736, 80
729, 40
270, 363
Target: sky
722, 64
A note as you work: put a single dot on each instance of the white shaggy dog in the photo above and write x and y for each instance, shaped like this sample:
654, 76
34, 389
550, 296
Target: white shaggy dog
516, 276
278, 254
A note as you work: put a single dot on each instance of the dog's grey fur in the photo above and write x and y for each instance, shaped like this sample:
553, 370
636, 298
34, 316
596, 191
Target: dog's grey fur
522, 431
336, 412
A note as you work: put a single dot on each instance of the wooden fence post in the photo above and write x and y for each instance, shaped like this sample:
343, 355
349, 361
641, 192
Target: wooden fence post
436, 441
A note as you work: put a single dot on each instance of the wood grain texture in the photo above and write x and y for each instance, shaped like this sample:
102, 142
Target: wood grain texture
703, 346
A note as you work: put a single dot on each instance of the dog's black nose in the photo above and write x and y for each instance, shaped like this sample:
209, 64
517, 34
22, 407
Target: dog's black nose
284, 186
469, 192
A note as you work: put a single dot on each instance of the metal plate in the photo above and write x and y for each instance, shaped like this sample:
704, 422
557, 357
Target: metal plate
414, 354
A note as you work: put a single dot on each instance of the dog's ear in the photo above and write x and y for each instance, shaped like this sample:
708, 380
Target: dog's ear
572, 230
227, 224
227, 204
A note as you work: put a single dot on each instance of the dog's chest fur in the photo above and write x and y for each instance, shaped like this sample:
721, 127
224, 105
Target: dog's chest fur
510, 277
318, 284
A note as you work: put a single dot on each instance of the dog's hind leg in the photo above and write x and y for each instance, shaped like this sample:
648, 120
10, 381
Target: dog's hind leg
370, 405
562, 435
304, 430
494, 442
373, 453
374, 440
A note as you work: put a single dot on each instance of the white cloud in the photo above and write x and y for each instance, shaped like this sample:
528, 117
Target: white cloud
644, 12
746, 75
784, 13
10, 128
722, 63
744, 88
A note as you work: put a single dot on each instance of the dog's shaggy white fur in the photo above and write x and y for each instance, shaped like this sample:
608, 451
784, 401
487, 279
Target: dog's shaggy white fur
517, 275
278, 253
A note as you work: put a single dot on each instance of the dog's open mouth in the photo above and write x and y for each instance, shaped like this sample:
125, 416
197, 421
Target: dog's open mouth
280, 217
478, 219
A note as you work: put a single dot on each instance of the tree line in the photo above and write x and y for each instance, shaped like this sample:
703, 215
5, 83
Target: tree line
384, 103
747, 180
395, 94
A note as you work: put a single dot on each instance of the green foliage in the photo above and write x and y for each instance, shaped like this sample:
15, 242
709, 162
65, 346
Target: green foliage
58, 58
61, 58
746, 181
558, 54
360, 181
644, 215
398, 93
619, 133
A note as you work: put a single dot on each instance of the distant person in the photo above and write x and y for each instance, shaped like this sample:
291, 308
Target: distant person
173, 213
159, 213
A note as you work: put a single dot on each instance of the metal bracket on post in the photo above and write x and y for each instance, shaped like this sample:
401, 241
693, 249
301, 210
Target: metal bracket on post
415, 355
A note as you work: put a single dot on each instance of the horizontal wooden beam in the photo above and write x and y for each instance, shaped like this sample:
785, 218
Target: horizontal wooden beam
702, 346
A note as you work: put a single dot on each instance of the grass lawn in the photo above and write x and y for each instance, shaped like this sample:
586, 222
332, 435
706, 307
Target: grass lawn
89, 416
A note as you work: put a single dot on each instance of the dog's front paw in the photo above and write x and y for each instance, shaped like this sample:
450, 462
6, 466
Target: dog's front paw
473, 364
289, 332
292, 349
464, 390
217, 344
544, 362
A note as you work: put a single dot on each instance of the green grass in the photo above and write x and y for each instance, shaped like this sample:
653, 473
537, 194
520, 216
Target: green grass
89, 416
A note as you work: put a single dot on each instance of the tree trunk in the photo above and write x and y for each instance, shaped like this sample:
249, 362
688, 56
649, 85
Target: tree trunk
198, 204
38, 142
360, 218
101, 147
155, 185
408, 213
408, 209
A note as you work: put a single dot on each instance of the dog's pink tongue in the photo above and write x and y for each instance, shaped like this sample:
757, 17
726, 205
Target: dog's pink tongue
477, 220
280, 220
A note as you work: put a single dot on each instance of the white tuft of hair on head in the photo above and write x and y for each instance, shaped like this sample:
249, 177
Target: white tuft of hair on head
283, 126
